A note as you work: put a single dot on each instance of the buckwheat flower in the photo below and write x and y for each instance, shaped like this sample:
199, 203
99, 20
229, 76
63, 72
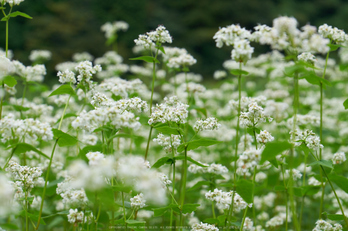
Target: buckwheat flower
191, 88
307, 137
66, 77
322, 225
275, 221
172, 110
6, 67
122, 87
99, 99
336, 35
247, 162
13, 2
160, 35
339, 158
111, 29
307, 57
138, 202
313, 181
296, 174
40, 55
248, 224
254, 115
75, 216
95, 158
182, 77
208, 124
286, 25
228, 35
168, 143
204, 227
217, 169
85, 71
260, 177
83, 56
224, 199
264, 137
66, 66
135, 104
72, 197
316, 44
164, 179
172, 52
31, 73
242, 51
219, 74
183, 60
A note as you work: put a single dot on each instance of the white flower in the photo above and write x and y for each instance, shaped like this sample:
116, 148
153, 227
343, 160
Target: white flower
339, 158
111, 29
333, 33
242, 51
264, 137
208, 124
184, 60
6, 67
138, 201
307, 57
204, 227
228, 35
40, 55
66, 77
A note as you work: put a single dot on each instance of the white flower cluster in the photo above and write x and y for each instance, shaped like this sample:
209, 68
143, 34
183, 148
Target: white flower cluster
307, 57
248, 225
85, 71
254, 115
228, 35
264, 137
247, 161
184, 60
40, 55
307, 137
95, 158
164, 179
333, 33
168, 142
111, 29
75, 217
66, 76
182, 77
191, 88
109, 58
121, 87
223, 200
313, 181
99, 99
30, 73
217, 169
172, 110
135, 104
322, 225
143, 178
160, 35
339, 158
219, 74
66, 66
208, 124
296, 174
11, 128
100, 116
25, 177
242, 51
172, 52
13, 2
204, 227
71, 197
83, 56
275, 221
304, 120
138, 201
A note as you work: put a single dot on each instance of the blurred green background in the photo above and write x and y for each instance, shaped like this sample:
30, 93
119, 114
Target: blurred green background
68, 26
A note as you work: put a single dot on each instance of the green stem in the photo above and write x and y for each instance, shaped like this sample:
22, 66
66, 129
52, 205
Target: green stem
173, 185
148, 143
244, 216
124, 211
321, 134
7, 38
183, 189
2, 100
213, 209
286, 199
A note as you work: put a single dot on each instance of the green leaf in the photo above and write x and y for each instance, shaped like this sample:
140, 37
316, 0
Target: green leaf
166, 130
273, 149
334, 217
182, 157
324, 163
62, 90
20, 108
199, 109
160, 211
238, 72
279, 188
162, 161
189, 208
135, 222
222, 219
89, 148
10, 81
199, 184
245, 190
312, 78
197, 143
67, 115
64, 139
23, 147
120, 188
148, 59
161, 49
211, 221
340, 181
334, 47
296, 68
18, 13
345, 104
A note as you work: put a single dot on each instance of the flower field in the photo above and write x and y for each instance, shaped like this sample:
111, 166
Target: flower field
146, 144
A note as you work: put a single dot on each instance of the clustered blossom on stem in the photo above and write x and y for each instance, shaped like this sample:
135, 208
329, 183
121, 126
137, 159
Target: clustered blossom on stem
204, 227
254, 115
85, 71
66, 77
13, 2
72, 197
264, 137
208, 124
138, 201
6, 195
30, 73
168, 142
224, 199
184, 60
228, 35
40, 55
307, 57
247, 162
307, 137
160, 35
172, 110
339, 158
333, 33
76, 217
217, 169
112, 28
322, 225
242, 51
